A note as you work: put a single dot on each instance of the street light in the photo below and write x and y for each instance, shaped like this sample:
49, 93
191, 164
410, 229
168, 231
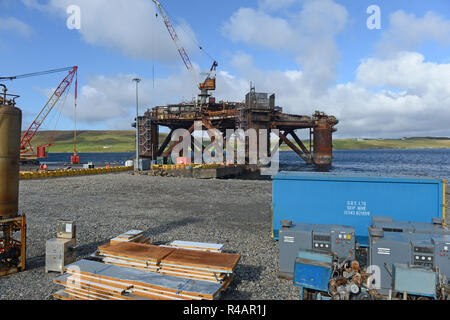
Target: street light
136, 166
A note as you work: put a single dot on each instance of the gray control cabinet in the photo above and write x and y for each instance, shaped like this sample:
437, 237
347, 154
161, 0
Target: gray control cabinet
58, 253
66, 229
414, 249
442, 254
384, 252
299, 236
389, 225
321, 238
424, 284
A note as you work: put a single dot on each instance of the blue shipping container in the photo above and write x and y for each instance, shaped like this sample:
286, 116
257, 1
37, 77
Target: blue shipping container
326, 198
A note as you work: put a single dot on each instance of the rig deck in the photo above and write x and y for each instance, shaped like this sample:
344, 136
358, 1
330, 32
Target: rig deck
258, 112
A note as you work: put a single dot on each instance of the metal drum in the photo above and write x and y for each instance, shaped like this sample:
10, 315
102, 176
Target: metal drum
10, 132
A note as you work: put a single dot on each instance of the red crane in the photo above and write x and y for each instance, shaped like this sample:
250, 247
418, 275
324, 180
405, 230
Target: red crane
26, 149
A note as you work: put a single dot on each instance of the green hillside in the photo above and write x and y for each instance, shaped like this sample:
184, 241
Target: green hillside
409, 143
90, 141
124, 141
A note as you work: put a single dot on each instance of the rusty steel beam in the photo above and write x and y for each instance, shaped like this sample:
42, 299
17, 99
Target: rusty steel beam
209, 126
275, 149
165, 143
175, 143
230, 115
294, 148
300, 144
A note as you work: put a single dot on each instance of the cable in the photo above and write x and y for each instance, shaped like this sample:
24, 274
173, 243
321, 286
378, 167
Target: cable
192, 38
60, 107
34, 74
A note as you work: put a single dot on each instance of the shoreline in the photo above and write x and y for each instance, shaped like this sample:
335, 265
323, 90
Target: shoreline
281, 150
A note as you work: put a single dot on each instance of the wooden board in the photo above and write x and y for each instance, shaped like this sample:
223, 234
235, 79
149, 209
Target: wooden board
192, 276
142, 262
136, 292
138, 251
62, 295
144, 279
74, 281
130, 234
214, 247
225, 262
193, 271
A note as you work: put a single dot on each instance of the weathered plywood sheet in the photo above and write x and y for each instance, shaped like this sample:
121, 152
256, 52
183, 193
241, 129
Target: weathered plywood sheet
138, 251
225, 262
146, 279
131, 234
197, 245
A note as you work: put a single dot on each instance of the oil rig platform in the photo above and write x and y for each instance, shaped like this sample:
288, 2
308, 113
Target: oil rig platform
258, 112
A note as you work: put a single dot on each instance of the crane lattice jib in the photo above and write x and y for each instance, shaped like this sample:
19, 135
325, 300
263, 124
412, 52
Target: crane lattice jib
174, 36
28, 136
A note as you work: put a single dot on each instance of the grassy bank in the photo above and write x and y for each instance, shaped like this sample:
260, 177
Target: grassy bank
124, 141
368, 144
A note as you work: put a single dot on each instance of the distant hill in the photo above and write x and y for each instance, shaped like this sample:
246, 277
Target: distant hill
124, 141
90, 141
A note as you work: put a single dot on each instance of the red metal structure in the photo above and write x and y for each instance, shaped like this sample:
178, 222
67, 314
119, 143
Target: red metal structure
26, 149
25, 144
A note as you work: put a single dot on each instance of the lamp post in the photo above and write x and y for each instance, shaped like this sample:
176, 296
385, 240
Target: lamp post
136, 166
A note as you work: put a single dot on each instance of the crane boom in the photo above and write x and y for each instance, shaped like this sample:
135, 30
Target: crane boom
174, 36
25, 144
210, 82
34, 74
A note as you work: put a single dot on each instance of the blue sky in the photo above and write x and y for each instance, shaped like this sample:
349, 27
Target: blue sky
314, 54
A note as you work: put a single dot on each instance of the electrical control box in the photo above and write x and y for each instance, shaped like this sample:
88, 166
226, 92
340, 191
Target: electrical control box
436, 226
339, 240
313, 270
66, 230
414, 249
58, 253
424, 284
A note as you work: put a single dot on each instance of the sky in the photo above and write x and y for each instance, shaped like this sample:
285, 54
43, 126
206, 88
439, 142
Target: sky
381, 80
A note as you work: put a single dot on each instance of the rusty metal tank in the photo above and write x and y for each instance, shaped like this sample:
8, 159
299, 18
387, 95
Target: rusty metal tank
10, 132
323, 140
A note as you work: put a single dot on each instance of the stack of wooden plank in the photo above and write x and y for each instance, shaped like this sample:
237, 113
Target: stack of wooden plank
136, 255
201, 246
202, 265
129, 236
194, 264
91, 280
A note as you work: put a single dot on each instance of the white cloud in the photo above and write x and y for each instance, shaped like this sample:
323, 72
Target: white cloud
256, 27
308, 34
389, 98
395, 95
407, 71
12, 24
407, 32
129, 28
402, 96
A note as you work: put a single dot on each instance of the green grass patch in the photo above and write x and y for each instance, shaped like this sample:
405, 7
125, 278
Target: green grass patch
124, 141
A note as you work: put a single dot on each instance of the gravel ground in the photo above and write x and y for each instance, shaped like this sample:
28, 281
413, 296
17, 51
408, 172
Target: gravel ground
232, 212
